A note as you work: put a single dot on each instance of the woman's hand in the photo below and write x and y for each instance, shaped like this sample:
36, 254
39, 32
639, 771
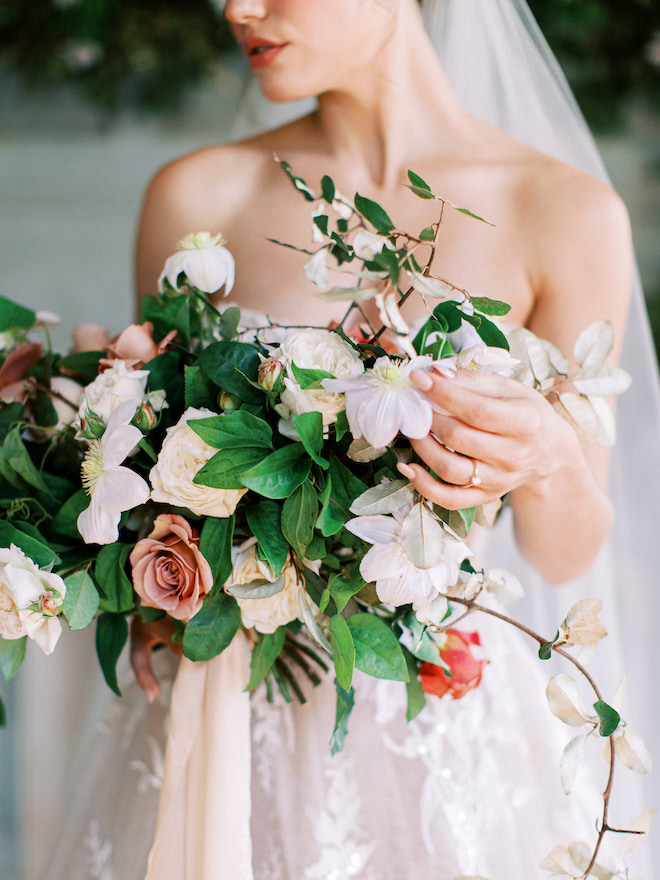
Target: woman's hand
144, 638
493, 436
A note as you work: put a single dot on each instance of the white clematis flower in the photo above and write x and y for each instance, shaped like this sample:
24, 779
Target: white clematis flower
208, 265
481, 357
383, 401
398, 580
111, 487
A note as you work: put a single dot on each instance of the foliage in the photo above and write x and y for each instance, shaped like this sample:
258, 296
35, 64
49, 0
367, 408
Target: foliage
608, 56
145, 54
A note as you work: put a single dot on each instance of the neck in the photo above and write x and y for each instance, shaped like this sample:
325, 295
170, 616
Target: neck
380, 120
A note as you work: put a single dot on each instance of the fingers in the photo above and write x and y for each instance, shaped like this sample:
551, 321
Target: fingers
484, 401
451, 497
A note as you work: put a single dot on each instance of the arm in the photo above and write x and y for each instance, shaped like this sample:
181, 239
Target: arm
581, 257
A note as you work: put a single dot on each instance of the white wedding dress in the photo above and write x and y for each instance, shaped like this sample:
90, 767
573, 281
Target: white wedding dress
469, 788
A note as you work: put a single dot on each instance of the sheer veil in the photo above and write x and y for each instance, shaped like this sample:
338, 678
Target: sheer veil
503, 71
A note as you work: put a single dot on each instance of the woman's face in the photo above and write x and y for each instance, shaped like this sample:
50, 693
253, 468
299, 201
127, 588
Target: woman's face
300, 48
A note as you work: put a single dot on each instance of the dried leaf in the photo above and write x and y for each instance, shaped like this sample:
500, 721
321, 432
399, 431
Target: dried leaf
389, 312
505, 586
422, 537
387, 497
353, 294
591, 418
581, 625
581, 854
570, 761
258, 589
312, 624
427, 285
559, 861
564, 701
602, 380
362, 451
642, 823
631, 750
594, 344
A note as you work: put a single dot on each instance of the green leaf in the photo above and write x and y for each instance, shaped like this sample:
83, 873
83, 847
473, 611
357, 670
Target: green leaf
233, 366
298, 182
3, 714
84, 363
418, 181
234, 430
165, 374
345, 585
199, 389
277, 475
609, 718
18, 459
227, 467
113, 582
321, 222
209, 632
12, 654
492, 307
341, 425
14, 316
374, 213
377, 649
344, 489
10, 415
308, 378
229, 321
66, 518
299, 516
427, 234
265, 653
265, 521
490, 333
470, 214
81, 601
43, 411
309, 426
215, 544
414, 690
111, 637
328, 189
39, 553
344, 656
345, 703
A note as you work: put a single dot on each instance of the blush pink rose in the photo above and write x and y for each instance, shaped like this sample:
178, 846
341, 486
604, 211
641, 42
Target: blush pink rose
136, 345
464, 667
169, 571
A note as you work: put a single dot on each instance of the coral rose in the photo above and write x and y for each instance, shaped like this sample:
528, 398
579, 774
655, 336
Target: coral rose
464, 667
169, 571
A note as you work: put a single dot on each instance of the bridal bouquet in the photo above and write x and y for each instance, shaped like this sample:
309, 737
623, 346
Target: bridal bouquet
236, 474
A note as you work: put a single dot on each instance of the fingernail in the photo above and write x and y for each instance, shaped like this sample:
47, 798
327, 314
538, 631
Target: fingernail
445, 372
421, 380
405, 470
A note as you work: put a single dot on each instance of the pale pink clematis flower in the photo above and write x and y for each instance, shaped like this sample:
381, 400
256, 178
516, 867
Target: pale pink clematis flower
111, 487
383, 401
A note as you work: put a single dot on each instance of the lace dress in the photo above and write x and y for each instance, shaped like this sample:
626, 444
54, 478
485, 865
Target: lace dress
470, 788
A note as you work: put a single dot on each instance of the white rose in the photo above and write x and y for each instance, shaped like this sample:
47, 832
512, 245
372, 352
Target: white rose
115, 385
182, 454
23, 585
316, 350
265, 615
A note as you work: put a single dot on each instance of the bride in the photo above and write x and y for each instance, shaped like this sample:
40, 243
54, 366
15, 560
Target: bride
469, 789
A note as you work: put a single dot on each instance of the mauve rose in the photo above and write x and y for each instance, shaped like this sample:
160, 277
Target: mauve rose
465, 669
136, 345
169, 571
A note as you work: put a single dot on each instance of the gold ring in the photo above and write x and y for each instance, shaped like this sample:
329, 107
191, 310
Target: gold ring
475, 479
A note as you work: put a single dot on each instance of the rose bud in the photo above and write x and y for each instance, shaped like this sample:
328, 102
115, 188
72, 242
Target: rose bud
228, 401
270, 375
145, 418
91, 426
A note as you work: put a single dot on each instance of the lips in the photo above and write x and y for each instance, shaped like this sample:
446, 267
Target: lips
261, 52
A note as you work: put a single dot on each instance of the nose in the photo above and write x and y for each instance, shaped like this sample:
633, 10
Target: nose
242, 11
